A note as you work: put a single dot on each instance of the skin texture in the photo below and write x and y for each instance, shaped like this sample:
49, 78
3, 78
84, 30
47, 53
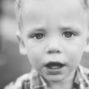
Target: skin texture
54, 31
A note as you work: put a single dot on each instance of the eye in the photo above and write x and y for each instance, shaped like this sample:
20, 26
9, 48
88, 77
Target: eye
68, 34
37, 35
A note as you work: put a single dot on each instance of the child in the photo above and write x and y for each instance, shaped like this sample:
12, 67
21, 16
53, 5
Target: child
54, 35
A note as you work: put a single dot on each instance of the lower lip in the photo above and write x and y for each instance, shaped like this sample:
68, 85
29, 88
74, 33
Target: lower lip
54, 71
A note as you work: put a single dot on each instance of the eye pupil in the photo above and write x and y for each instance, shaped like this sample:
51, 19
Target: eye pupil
68, 34
39, 36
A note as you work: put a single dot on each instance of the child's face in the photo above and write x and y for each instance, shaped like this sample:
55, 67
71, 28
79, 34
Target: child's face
54, 31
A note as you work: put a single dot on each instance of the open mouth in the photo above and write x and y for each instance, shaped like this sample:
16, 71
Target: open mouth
54, 65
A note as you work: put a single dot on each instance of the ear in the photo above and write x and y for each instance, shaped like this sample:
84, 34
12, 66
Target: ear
87, 45
22, 48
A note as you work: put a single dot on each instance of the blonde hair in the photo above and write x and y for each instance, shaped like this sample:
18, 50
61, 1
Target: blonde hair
19, 4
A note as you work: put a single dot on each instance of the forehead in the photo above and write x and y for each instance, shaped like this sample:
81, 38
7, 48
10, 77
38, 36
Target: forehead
56, 11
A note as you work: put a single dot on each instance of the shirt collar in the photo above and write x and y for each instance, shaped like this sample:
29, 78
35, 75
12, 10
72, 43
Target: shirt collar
80, 79
38, 82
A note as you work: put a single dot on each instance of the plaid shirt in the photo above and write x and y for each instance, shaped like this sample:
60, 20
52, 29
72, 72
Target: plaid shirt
34, 81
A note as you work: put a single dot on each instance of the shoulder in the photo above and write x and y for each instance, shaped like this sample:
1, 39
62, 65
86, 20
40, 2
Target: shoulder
18, 83
85, 70
85, 75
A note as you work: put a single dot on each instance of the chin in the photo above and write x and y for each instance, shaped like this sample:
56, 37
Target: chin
54, 78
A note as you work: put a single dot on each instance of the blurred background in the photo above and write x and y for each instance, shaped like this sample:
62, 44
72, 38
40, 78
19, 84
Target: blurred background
12, 64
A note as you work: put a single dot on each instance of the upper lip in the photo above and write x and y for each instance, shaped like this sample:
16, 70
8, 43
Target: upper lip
54, 65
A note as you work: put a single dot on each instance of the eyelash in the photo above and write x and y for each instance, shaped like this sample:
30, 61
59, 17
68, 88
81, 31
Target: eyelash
37, 35
66, 34
69, 34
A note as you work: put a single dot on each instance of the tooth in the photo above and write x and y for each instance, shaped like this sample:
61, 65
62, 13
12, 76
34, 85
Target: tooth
54, 67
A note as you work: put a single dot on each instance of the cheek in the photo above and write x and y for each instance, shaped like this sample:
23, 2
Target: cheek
76, 46
35, 55
75, 58
75, 52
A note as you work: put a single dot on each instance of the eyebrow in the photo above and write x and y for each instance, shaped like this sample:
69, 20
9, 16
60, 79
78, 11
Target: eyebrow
36, 29
70, 28
39, 29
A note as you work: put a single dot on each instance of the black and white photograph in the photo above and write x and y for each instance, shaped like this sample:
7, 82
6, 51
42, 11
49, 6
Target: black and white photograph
44, 44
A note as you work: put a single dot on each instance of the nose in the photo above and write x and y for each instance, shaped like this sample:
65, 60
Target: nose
54, 46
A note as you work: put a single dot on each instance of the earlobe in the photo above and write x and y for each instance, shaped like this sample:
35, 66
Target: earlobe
22, 50
21, 44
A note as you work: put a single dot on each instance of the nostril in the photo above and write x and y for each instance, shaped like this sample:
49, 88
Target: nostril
53, 51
